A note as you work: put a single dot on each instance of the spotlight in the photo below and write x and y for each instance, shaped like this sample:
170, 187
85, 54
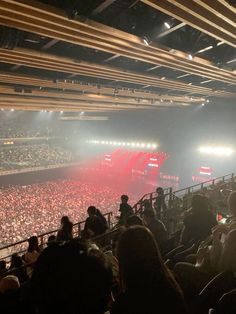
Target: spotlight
12, 109
61, 111
167, 25
203, 104
145, 40
190, 57
154, 146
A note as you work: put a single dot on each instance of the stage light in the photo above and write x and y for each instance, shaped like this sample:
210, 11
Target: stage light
12, 109
216, 150
203, 104
142, 145
167, 25
132, 144
154, 146
103, 142
190, 57
61, 111
149, 146
145, 40
123, 144
138, 144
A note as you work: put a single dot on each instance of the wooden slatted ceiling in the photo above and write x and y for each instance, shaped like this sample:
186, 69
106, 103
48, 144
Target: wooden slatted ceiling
55, 63
216, 18
37, 18
98, 98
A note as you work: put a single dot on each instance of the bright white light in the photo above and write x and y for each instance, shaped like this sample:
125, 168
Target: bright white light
82, 113
61, 111
190, 57
167, 25
132, 144
149, 145
145, 41
154, 146
103, 142
142, 145
123, 144
2, 109
203, 104
216, 150
128, 144
12, 109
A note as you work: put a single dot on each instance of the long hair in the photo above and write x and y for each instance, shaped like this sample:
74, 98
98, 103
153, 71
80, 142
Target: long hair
141, 266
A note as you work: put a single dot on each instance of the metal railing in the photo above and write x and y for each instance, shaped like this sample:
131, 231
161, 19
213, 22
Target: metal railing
172, 196
176, 201
20, 247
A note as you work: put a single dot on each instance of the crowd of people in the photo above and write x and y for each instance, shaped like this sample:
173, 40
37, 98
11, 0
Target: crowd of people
37, 208
26, 156
142, 270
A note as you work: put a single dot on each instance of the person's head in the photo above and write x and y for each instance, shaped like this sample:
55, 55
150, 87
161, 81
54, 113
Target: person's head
33, 244
232, 203
51, 239
16, 261
141, 266
124, 199
92, 210
134, 220
148, 215
68, 279
160, 191
65, 220
200, 203
9, 283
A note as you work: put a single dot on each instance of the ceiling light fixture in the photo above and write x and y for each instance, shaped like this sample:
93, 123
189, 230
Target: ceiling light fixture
167, 25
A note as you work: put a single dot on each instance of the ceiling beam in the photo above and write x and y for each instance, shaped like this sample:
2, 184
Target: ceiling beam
99, 98
66, 65
44, 20
171, 30
216, 18
104, 5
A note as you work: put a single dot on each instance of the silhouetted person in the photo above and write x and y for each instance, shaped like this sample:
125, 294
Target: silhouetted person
66, 230
95, 224
159, 204
125, 210
157, 227
198, 224
68, 279
148, 286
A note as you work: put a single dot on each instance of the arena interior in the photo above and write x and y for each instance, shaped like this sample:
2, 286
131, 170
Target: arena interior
117, 156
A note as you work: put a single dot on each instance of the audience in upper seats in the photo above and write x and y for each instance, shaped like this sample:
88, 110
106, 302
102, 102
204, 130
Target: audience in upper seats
125, 210
68, 280
95, 224
146, 282
65, 232
17, 268
33, 250
156, 227
25, 156
159, 204
71, 277
199, 222
134, 220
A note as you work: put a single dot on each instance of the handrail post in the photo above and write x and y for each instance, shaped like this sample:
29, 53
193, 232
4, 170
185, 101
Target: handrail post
79, 229
109, 220
170, 197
